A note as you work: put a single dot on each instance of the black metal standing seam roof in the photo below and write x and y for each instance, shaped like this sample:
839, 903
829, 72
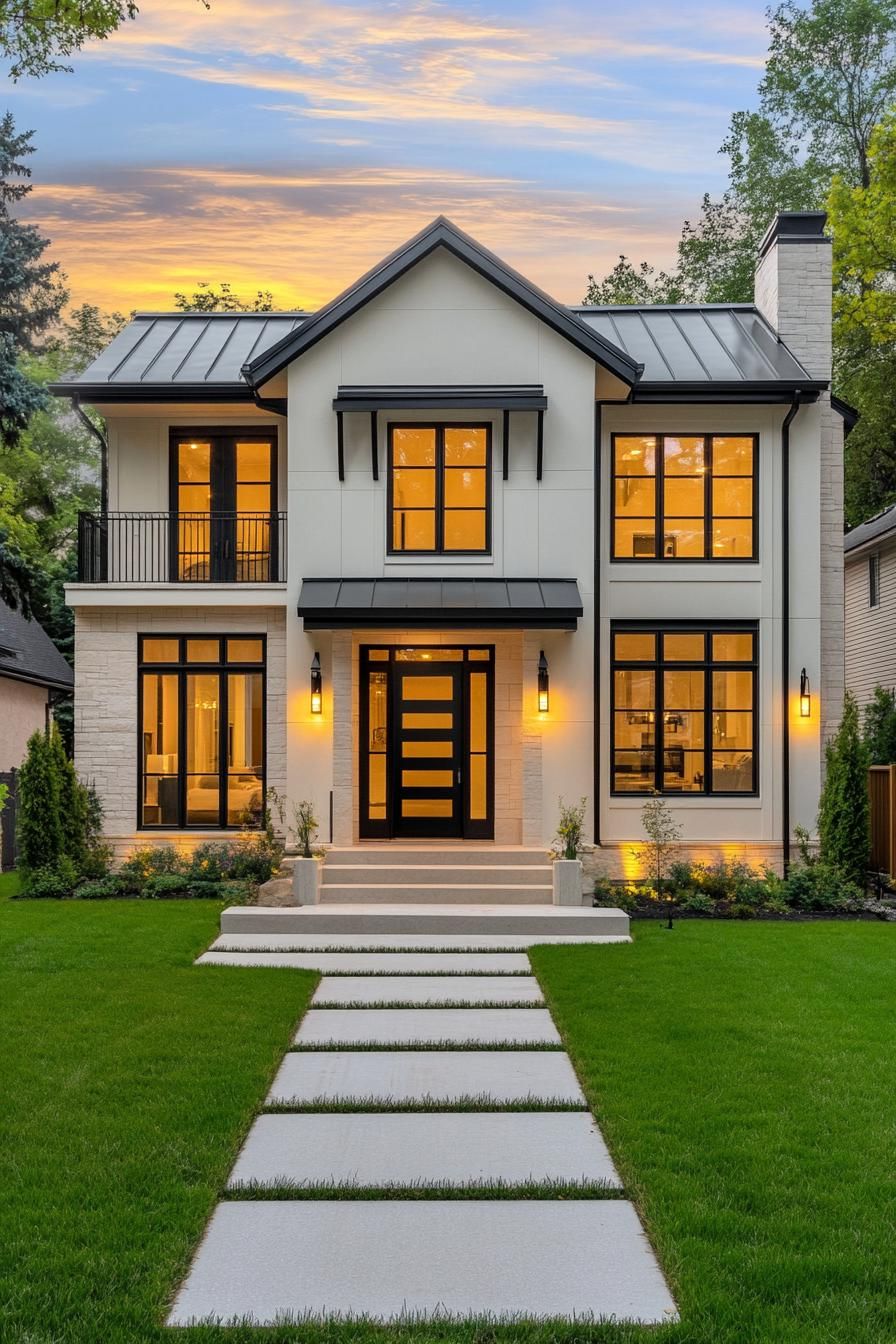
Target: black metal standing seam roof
547, 604
181, 354
519, 397
875, 529
698, 346
28, 654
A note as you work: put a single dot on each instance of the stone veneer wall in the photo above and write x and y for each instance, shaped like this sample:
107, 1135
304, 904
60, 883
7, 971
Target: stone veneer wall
106, 730
624, 861
517, 744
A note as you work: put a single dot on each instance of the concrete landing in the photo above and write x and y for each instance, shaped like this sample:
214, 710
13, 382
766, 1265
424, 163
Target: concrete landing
502, 1076
357, 918
378, 963
263, 1262
404, 1026
512, 1147
428, 989
405, 942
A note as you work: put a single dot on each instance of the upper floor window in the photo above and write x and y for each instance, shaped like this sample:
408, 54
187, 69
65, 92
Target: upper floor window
684, 710
684, 497
440, 489
874, 580
223, 493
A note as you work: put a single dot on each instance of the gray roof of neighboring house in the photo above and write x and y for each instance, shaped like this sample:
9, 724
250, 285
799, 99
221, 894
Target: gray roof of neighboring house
28, 654
875, 529
696, 345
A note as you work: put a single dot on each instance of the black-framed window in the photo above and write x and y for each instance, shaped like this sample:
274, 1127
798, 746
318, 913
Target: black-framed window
684, 709
202, 731
685, 496
439, 497
874, 579
223, 493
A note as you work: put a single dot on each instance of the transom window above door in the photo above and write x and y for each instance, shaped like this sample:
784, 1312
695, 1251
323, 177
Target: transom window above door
684, 497
440, 489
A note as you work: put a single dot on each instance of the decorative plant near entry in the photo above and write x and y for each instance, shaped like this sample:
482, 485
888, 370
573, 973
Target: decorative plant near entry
305, 826
570, 827
663, 834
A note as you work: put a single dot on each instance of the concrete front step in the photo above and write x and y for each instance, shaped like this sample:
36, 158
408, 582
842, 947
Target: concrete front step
378, 963
436, 894
554, 920
425, 873
389, 854
395, 942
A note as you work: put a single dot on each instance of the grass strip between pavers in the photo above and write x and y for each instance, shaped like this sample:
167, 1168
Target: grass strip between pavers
325, 1047
373, 974
440, 1190
360, 1005
388, 1105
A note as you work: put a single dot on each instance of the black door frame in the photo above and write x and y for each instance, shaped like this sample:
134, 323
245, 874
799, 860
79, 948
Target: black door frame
387, 828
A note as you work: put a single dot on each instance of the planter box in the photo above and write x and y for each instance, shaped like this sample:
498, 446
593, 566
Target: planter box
567, 881
306, 881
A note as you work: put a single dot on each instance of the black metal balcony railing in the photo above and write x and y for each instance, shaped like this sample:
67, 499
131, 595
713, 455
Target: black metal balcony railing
219, 547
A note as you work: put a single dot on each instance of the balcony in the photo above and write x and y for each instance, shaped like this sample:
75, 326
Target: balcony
218, 547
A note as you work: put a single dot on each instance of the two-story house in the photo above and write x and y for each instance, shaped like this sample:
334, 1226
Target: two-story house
870, 592
447, 549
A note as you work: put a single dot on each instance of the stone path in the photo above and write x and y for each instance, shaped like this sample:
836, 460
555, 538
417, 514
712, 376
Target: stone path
417, 1093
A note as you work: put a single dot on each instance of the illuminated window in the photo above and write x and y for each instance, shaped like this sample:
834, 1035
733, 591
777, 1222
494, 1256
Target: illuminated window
684, 711
202, 732
439, 488
223, 493
684, 497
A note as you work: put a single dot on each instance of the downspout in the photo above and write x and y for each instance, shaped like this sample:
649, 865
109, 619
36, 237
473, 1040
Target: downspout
104, 452
785, 629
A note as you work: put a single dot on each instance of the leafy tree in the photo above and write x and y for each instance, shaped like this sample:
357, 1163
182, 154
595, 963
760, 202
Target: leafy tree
864, 222
18, 581
39, 831
663, 833
208, 299
880, 727
843, 818
627, 283
35, 33
32, 294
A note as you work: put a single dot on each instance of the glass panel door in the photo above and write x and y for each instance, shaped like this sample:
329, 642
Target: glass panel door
223, 498
428, 745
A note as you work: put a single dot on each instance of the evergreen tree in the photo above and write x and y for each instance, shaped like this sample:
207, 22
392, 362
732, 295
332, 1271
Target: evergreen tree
880, 727
31, 291
72, 803
39, 832
843, 814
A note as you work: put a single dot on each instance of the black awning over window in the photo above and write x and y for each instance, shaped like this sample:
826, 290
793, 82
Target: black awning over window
441, 604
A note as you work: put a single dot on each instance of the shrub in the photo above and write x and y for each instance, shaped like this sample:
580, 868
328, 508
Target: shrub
697, 902
880, 727
255, 858
212, 861
103, 889
53, 882
72, 804
843, 821
38, 826
147, 862
820, 886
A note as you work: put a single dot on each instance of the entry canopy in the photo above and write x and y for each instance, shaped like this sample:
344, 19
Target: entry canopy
440, 604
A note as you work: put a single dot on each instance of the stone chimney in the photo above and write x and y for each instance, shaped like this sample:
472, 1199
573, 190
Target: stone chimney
793, 292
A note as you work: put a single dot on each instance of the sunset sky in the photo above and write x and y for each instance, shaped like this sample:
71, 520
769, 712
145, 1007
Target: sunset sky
288, 144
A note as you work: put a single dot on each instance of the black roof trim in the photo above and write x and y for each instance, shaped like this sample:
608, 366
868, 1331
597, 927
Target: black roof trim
441, 233
851, 416
521, 397
442, 604
770, 393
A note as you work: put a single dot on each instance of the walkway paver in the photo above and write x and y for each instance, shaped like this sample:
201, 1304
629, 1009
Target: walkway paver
423, 989
442, 1148
379, 963
262, 1261
501, 1076
405, 942
404, 1026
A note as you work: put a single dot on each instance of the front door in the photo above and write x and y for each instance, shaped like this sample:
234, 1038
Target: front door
427, 770
426, 755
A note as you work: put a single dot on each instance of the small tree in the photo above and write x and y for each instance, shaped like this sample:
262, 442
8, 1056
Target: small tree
843, 814
73, 805
40, 839
880, 727
305, 826
663, 833
570, 827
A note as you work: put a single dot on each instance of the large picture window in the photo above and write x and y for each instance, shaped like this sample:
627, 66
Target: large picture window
439, 489
684, 497
202, 731
684, 710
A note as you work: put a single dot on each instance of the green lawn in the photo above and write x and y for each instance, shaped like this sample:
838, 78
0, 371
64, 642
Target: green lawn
743, 1073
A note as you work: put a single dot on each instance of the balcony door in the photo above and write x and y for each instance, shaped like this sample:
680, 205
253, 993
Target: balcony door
223, 506
427, 743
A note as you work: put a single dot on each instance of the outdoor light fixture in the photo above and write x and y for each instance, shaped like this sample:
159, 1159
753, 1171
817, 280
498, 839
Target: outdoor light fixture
316, 685
544, 684
805, 696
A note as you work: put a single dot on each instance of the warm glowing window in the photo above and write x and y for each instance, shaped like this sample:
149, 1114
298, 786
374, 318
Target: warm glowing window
202, 731
439, 488
684, 711
684, 497
223, 493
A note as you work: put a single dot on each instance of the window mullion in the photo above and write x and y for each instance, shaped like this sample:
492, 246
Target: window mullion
440, 489
182, 746
658, 700
223, 687
659, 473
707, 497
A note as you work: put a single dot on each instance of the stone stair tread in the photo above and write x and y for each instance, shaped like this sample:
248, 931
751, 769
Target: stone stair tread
392, 1260
405, 942
377, 963
411, 1026
448, 1148
408, 990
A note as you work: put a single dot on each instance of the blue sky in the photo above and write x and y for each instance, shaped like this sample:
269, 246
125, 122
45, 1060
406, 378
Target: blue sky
288, 144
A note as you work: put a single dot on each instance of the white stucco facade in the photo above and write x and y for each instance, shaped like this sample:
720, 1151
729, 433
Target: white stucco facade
442, 323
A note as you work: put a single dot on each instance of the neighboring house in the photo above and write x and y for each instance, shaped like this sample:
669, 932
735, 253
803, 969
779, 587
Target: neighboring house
33, 674
870, 584
337, 545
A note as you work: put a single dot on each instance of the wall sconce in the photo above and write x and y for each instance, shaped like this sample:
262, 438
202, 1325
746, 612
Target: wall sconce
316, 685
805, 696
544, 684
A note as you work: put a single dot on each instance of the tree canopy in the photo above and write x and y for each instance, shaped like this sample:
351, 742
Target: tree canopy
35, 34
